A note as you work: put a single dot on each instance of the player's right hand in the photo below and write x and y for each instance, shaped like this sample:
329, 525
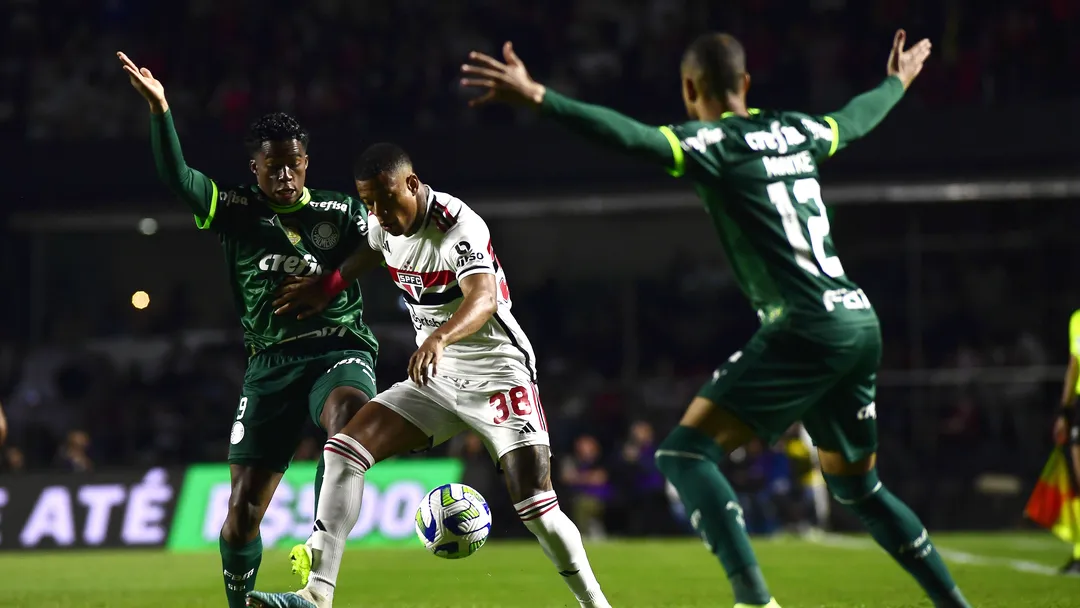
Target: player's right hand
144, 82
303, 296
906, 65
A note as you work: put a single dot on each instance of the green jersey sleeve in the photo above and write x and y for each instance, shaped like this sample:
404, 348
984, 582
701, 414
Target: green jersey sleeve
199, 192
834, 131
358, 221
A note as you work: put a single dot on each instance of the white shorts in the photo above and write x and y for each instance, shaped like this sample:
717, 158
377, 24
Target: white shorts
505, 413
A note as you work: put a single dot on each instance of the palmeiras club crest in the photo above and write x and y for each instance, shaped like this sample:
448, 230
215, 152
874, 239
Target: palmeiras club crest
411, 282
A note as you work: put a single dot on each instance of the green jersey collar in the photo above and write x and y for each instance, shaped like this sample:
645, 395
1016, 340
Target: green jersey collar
304, 199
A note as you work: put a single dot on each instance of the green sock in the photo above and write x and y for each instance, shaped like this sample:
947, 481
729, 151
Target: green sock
898, 530
320, 471
1076, 551
690, 461
240, 564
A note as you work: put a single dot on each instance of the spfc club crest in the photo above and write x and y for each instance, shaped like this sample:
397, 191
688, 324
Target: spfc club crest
412, 283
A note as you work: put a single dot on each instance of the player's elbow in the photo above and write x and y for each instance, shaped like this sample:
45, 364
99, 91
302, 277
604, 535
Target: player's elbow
487, 304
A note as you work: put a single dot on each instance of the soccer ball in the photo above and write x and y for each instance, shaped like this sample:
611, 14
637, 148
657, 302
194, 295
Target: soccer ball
453, 521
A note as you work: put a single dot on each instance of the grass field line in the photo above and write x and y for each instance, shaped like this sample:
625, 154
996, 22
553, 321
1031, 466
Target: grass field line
959, 557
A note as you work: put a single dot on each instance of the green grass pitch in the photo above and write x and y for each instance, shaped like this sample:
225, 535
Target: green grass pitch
1007, 571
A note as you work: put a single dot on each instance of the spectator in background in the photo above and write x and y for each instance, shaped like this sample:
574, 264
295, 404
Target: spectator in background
641, 482
590, 489
74, 456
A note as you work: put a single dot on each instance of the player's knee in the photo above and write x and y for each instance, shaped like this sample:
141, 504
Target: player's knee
243, 519
527, 471
340, 407
684, 449
855, 490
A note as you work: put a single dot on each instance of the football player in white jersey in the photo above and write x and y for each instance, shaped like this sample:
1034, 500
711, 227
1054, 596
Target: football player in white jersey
474, 369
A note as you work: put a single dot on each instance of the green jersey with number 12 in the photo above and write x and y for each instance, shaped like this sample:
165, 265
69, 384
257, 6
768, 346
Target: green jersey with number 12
758, 178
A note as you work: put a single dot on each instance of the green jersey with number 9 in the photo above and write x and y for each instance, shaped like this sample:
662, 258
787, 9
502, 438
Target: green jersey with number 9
758, 178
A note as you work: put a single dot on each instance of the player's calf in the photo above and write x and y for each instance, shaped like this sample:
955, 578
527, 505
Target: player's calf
240, 544
892, 524
689, 458
528, 478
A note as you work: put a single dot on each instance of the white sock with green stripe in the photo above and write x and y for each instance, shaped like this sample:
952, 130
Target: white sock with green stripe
339, 508
561, 542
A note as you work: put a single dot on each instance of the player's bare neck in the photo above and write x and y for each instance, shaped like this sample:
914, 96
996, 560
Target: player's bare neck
422, 195
731, 104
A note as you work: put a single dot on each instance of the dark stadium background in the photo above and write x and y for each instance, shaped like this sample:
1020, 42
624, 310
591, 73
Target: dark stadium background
958, 217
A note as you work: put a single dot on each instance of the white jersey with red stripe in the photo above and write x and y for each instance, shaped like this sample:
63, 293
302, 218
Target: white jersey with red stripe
453, 243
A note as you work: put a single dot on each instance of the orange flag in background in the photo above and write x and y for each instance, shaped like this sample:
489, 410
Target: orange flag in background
1054, 503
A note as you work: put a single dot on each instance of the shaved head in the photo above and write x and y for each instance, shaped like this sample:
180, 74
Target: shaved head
717, 62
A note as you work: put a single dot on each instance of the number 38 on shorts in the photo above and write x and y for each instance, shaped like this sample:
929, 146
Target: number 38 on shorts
520, 401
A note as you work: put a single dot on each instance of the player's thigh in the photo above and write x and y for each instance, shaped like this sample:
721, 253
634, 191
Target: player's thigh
509, 417
268, 423
506, 413
345, 382
843, 424
406, 417
763, 389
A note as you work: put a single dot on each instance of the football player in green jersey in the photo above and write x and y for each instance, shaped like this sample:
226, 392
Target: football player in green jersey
322, 365
816, 355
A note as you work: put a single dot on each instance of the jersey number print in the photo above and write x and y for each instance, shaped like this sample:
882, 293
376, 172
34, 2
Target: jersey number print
806, 191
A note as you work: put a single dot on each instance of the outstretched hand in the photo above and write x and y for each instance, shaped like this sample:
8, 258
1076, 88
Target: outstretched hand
504, 81
906, 65
303, 296
144, 82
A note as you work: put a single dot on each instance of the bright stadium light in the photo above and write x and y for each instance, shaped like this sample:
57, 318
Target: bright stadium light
140, 299
148, 226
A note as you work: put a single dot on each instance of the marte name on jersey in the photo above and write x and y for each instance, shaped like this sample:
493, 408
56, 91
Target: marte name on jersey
295, 265
792, 164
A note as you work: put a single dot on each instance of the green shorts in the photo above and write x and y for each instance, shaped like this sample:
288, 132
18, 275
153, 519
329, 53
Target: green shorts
281, 388
781, 377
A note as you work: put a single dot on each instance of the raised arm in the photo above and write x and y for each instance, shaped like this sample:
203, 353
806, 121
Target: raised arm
866, 111
198, 191
511, 82
608, 127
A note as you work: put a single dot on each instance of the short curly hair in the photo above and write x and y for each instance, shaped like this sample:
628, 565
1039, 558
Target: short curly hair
278, 126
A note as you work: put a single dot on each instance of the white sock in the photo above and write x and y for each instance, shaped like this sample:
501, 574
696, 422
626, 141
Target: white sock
561, 542
339, 508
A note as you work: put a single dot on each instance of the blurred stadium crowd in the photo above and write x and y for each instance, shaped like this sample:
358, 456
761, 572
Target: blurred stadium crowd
73, 406
359, 62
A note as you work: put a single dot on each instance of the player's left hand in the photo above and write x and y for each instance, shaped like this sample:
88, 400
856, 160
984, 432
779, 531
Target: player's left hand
424, 364
507, 82
303, 296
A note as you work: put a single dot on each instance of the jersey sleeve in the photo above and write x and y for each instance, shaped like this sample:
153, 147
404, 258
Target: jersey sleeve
356, 231
375, 236
199, 192
860, 116
823, 133
467, 247
696, 148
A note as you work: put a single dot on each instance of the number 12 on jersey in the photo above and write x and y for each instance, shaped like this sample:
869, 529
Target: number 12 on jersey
810, 256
